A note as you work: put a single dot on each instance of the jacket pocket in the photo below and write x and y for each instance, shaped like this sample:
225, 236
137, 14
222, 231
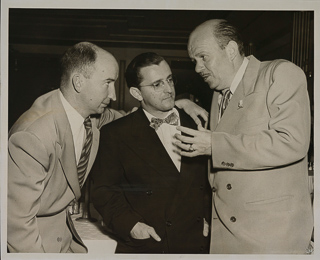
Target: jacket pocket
283, 203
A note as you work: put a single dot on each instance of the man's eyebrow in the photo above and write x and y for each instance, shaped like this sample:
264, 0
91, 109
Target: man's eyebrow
109, 79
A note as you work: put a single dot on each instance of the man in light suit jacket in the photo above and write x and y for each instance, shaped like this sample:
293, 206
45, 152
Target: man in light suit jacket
258, 143
151, 200
45, 147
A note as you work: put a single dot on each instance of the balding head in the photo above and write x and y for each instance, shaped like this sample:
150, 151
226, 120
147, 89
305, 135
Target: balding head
81, 58
216, 49
88, 78
221, 30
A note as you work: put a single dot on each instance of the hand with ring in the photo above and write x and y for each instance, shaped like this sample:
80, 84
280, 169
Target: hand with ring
191, 149
195, 142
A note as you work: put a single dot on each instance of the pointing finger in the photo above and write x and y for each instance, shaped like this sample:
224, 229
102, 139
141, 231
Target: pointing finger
153, 233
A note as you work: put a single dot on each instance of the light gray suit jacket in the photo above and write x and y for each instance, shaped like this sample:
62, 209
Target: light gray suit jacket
42, 177
259, 157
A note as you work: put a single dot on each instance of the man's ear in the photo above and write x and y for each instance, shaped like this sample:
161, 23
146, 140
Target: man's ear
76, 82
136, 93
232, 50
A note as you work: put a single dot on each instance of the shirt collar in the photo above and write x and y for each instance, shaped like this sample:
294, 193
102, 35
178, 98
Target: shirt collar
149, 116
75, 119
239, 75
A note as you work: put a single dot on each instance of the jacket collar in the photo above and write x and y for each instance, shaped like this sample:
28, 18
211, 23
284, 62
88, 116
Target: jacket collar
234, 109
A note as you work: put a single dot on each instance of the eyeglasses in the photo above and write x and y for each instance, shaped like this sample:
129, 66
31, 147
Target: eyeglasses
160, 84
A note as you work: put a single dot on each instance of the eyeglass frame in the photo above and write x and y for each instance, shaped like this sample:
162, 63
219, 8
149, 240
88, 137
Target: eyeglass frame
162, 83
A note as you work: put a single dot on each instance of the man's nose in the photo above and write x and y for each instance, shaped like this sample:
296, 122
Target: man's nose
112, 93
167, 86
199, 67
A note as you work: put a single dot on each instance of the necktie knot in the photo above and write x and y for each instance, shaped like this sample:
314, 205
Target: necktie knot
87, 123
226, 96
171, 119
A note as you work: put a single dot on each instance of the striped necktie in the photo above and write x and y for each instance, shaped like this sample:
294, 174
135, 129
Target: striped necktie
85, 153
224, 102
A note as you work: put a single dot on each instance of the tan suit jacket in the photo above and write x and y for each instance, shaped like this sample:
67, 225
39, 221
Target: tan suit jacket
42, 178
259, 178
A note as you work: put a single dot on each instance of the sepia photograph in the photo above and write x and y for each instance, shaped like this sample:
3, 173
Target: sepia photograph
159, 129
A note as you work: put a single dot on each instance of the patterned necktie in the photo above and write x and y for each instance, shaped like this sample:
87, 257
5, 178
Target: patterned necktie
85, 153
171, 119
224, 102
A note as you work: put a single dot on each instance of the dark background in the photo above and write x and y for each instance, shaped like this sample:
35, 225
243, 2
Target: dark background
38, 37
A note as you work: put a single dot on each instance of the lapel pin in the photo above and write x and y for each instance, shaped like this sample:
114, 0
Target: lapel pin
240, 104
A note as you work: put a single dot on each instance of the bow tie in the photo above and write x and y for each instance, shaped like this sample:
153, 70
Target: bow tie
171, 119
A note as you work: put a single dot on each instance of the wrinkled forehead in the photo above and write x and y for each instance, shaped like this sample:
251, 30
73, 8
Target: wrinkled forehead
200, 40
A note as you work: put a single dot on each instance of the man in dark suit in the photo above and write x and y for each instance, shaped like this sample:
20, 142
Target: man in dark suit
151, 199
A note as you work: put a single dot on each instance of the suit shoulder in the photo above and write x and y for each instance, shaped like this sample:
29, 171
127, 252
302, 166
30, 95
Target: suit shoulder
281, 65
118, 125
34, 120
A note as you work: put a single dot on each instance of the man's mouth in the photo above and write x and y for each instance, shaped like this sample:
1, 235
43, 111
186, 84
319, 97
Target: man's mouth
205, 76
169, 97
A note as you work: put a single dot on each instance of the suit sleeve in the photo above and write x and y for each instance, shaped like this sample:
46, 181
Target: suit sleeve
108, 116
108, 182
28, 160
286, 139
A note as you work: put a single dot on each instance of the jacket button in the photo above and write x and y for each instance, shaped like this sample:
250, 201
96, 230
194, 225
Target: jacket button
201, 248
229, 187
231, 164
149, 192
233, 219
168, 223
59, 239
223, 163
214, 189
201, 187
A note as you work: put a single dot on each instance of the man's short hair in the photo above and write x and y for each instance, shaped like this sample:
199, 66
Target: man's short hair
132, 74
224, 32
80, 58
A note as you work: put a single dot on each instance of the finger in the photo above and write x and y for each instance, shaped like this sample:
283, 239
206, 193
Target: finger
205, 232
184, 139
153, 233
205, 115
200, 128
206, 125
205, 228
182, 146
195, 118
189, 154
187, 130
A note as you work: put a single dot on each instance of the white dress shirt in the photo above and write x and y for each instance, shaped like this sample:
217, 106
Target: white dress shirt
77, 126
166, 134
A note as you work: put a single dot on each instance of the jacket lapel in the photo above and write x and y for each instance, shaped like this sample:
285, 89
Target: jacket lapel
65, 141
238, 103
150, 149
188, 170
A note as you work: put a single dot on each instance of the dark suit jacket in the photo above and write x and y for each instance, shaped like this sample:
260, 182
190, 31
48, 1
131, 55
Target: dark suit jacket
136, 181
43, 178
